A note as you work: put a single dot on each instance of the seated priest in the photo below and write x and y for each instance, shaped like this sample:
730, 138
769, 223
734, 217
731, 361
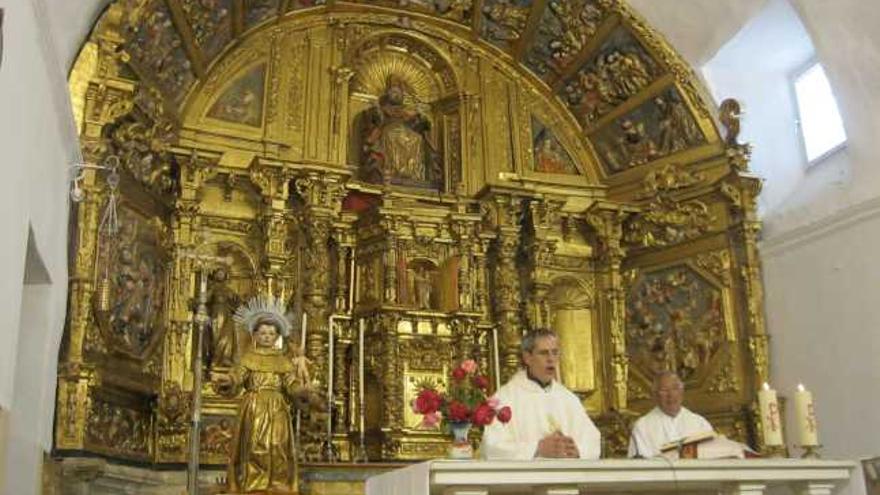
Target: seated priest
668, 422
548, 420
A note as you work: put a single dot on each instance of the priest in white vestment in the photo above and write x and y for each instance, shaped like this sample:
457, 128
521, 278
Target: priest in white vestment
548, 420
668, 422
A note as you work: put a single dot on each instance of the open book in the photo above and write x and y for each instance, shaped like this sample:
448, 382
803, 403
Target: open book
705, 445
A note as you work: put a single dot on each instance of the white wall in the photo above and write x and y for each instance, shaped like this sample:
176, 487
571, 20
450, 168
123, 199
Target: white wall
822, 273
763, 85
38, 144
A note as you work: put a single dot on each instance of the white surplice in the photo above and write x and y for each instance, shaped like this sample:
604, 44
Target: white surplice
538, 412
656, 428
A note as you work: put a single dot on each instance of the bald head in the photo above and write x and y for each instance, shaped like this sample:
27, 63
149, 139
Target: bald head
668, 393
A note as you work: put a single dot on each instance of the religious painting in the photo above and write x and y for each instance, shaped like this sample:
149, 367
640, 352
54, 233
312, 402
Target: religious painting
210, 22
674, 321
396, 139
550, 157
157, 49
619, 71
565, 28
242, 101
505, 20
456, 10
658, 128
257, 11
134, 275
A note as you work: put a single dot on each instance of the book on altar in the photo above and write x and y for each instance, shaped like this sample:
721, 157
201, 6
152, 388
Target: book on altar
705, 445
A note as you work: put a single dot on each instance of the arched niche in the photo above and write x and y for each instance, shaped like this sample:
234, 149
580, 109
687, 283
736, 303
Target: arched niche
405, 107
572, 316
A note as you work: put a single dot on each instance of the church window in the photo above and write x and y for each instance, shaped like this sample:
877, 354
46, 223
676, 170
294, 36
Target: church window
819, 122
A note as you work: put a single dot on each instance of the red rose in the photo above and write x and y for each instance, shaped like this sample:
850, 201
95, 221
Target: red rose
483, 415
504, 414
428, 401
458, 412
458, 374
481, 382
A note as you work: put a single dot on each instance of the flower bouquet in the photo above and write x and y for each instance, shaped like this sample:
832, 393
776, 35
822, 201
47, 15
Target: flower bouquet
463, 405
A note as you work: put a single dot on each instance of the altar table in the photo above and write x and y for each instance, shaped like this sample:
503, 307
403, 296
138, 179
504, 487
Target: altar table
574, 477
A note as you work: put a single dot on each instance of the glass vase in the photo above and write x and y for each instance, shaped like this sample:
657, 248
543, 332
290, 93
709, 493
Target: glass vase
460, 448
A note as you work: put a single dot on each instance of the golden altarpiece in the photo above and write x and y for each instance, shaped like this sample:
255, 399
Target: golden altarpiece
449, 173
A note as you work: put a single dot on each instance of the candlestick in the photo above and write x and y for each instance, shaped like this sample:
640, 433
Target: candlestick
805, 415
771, 423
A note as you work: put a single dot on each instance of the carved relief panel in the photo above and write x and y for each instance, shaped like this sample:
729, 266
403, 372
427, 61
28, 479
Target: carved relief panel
678, 318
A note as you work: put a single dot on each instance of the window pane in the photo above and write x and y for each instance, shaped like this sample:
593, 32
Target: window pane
821, 125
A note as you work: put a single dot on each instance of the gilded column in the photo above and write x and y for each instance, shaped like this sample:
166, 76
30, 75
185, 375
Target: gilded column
502, 211
75, 377
607, 222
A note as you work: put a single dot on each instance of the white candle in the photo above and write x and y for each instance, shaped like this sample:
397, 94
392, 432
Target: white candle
361, 373
302, 333
770, 417
805, 415
330, 386
351, 283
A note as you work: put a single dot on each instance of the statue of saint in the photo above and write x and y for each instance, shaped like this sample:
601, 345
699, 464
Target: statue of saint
222, 301
395, 138
263, 452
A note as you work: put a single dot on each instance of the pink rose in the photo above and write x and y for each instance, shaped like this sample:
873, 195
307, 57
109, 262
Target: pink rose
493, 402
431, 420
469, 365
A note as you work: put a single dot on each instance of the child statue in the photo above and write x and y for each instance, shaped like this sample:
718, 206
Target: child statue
263, 451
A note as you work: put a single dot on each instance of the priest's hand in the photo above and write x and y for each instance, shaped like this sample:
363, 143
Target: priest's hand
557, 446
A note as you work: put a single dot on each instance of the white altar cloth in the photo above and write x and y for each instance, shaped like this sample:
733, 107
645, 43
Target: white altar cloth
573, 477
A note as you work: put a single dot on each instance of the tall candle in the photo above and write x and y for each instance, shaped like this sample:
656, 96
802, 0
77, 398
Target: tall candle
805, 415
771, 423
351, 283
361, 376
302, 333
331, 349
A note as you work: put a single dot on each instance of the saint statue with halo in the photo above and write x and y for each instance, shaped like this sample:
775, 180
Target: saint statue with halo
263, 451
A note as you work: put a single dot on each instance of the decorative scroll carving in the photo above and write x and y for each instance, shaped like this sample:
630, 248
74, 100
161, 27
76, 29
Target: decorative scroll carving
666, 221
725, 380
